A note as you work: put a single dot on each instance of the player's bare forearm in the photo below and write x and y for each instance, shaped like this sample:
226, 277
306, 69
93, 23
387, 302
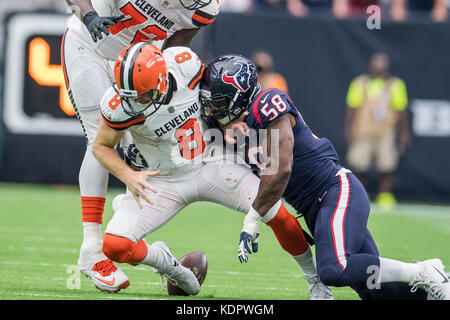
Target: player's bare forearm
80, 7
104, 151
271, 187
181, 38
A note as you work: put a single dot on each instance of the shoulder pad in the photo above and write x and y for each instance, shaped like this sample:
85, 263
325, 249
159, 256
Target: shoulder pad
113, 114
269, 105
206, 15
185, 66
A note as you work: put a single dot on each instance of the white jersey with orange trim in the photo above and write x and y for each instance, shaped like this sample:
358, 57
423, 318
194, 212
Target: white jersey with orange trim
145, 20
170, 139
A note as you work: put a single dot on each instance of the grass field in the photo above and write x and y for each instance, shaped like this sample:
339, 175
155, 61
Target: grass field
40, 235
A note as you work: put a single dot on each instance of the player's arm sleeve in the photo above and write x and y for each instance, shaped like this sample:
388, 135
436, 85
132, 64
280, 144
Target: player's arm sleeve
113, 114
205, 16
399, 96
270, 105
355, 94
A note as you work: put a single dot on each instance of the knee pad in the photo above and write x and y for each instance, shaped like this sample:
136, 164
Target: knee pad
118, 249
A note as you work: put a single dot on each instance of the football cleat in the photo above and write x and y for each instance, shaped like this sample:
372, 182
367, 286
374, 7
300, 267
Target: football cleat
432, 279
177, 274
108, 278
317, 290
90, 253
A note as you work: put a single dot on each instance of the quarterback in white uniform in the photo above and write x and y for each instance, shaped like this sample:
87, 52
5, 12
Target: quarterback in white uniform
97, 32
156, 99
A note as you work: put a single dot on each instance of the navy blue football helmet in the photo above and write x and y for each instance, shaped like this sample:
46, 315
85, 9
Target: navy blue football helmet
228, 86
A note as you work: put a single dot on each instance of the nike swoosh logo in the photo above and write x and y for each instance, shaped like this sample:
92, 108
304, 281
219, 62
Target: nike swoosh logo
265, 98
108, 283
443, 276
323, 196
174, 262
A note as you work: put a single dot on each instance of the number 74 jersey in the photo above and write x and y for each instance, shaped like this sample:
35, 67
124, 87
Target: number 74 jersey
171, 139
144, 20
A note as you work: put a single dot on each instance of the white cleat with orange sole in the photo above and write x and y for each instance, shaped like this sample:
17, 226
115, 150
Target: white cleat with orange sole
108, 278
95, 265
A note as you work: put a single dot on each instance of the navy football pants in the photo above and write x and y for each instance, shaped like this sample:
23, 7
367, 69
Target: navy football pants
346, 253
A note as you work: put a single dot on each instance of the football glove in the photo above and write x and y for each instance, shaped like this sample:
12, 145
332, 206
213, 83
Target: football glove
248, 239
134, 158
96, 25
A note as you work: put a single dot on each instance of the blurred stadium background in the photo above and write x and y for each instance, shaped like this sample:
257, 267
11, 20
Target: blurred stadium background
318, 53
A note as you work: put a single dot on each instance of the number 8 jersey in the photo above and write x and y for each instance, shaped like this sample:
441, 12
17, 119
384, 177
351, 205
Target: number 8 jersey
144, 20
171, 139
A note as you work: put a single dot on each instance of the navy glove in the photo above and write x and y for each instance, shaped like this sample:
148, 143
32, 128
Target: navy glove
245, 241
134, 158
96, 25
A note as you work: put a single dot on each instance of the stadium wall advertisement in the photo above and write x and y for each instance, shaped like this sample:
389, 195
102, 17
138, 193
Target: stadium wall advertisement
41, 140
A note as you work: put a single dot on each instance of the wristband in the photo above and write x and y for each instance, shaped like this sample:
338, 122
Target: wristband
252, 216
251, 222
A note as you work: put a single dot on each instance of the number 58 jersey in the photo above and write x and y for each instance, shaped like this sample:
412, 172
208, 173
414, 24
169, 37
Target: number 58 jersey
171, 139
144, 20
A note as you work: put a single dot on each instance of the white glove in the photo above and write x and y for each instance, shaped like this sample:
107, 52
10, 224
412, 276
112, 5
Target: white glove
249, 235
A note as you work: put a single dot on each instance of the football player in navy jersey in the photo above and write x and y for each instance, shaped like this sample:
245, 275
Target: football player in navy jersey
309, 177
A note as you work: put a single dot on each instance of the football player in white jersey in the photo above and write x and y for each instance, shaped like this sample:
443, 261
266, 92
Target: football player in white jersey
96, 33
156, 99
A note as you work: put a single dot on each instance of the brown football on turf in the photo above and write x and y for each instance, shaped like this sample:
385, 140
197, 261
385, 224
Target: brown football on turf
197, 262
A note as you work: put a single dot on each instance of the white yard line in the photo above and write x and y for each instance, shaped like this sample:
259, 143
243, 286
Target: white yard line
414, 210
102, 297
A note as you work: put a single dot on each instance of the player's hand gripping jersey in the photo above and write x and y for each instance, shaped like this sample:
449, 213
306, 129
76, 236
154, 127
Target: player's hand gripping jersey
144, 20
314, 158
170, 139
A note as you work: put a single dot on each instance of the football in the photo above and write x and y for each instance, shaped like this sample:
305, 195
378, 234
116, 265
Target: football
197, 262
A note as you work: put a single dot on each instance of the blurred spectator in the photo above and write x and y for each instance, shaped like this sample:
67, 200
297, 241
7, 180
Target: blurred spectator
437, 9
376, 120
238, 6
301, 8
265, 69
294, 7
346, 8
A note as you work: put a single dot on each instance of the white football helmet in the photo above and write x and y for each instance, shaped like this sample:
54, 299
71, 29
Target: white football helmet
188, 4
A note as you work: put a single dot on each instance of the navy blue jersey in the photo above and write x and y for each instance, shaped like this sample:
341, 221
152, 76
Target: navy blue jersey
315, 159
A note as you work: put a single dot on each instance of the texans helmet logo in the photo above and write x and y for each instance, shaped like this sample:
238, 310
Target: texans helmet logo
240, 80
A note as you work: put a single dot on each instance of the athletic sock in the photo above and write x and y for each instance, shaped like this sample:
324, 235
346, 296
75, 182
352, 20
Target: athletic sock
307, 262
289, 233
91, 248
92, 232
397, 271
92, 209
155, 257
